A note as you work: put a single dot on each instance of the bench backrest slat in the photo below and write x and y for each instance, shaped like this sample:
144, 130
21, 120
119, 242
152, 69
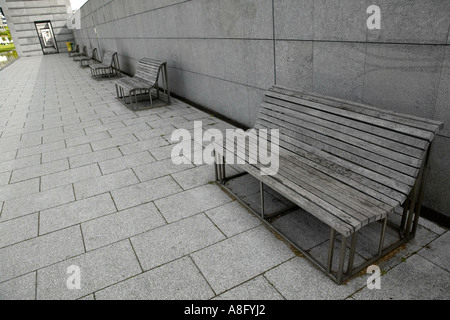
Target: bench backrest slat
108, 58
365, 158
405, 119
148, 70
381, 150
91, 53
349, 130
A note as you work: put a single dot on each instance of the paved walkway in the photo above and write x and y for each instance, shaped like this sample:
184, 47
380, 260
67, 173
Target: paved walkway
86, 182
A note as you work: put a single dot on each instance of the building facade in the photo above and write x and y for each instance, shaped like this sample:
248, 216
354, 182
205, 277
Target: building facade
32, 22
3, 23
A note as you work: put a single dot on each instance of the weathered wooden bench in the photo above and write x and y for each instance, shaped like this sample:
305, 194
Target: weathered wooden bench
91, 57
80, 55
145, 79
347, 164
75, 50
108, 67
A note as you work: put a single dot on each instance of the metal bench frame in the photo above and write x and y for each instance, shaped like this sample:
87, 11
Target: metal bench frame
90, 58
412, 205
145, 80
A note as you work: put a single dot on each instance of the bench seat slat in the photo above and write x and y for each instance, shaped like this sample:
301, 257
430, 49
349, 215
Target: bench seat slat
323, 202
342, 226
364, 205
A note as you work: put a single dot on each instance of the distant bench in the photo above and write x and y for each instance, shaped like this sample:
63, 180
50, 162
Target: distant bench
108, 67
80, 54
75, 50
347, 164
146, 78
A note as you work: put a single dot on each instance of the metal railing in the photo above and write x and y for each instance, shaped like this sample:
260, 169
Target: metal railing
7, 58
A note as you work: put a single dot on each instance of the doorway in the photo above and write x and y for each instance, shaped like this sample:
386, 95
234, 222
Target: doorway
46, 37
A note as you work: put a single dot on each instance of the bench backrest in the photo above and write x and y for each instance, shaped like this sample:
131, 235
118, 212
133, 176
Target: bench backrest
91, 53
379, 149
148, 70
84, 50
77, 48
108, 58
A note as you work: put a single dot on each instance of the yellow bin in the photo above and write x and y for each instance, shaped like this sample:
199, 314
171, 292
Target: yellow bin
69, 46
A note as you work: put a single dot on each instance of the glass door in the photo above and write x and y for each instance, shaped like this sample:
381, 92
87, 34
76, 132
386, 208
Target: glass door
46, 37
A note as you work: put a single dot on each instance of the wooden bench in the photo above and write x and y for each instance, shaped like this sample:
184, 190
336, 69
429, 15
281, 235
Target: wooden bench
80, 55
108, 67
145, 79
347, 164
91, 57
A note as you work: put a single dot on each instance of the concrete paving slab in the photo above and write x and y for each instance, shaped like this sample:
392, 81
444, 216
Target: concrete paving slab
121, 225
88, 188
98, 269
175, 240
159, 169
63, 178
75, 213
310, 282
438, 252
192, 201
36, 202
126, 162
18, 230
39, 170
255, 289
415, 279
145, 192
28, 256
94, 157
241, 258
19, 289
173, 281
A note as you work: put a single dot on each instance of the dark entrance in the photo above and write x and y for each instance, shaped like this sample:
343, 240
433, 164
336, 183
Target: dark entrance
46, 37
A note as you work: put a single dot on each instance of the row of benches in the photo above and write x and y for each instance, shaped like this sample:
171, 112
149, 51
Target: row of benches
347, 164
130, 90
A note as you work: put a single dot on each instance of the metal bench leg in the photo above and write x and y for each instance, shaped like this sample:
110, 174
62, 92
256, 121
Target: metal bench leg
405, 214
383, 235
261, 190
422, 190
216, 172
351, 258
331, 251
117, 91
340, 272
412, 208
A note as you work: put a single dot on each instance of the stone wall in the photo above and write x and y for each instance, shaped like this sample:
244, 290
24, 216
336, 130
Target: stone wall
224, 54
21, 16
